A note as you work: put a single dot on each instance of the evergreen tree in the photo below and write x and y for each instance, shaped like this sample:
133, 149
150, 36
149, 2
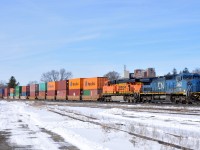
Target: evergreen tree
12, 82
186, 70
174, 71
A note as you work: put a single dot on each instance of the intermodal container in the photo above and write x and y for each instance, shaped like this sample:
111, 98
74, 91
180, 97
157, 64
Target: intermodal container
86, 92
75, 84
94, 83
25, 89
75, 92
18, 90
51, 95
34, 87
43, 87
12, 90
62, 95
96, 92
52, 86
77, 98
42, 95
93, 95
33, 95
1, 91
6, 93
25, 94
63, 85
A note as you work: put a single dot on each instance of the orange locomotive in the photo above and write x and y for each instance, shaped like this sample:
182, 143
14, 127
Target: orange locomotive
122, 91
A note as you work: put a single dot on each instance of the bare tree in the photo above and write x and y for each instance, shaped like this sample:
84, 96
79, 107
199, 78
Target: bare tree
32, 82
3, 84
54, 75
197, 70
64, 75
112, 75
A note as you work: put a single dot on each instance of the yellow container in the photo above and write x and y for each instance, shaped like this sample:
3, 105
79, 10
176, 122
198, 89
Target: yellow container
94, 83
52, 86
76, 83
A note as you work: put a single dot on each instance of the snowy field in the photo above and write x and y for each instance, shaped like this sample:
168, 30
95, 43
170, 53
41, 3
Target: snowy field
91, 126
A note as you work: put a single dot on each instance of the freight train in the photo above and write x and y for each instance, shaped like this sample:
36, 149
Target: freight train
181, 88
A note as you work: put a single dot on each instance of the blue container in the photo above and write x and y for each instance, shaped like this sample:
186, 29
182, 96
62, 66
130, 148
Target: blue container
25, 94
1, 91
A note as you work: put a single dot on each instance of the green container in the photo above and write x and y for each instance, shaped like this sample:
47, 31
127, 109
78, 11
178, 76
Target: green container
43, 87
18, 90
11, 94
86, 92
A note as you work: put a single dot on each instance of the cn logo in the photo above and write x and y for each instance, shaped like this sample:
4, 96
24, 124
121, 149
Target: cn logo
160, 85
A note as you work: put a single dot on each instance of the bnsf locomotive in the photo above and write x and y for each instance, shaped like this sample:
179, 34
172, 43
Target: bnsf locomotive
180, 88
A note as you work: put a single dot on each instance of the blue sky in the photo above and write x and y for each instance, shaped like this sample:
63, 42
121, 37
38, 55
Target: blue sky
91, 37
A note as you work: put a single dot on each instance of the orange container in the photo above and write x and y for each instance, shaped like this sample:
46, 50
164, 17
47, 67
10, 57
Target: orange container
76, 83
12, 90
94, 83
52, 86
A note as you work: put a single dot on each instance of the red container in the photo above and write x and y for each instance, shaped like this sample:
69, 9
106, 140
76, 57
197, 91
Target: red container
6, 92
62, 93
42, 93
63, 85
25, 89
51, 93
75, 92
34, 87
95, 92
34, 94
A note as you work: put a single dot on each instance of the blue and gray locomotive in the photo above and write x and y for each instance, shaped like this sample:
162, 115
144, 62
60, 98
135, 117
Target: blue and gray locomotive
180, 88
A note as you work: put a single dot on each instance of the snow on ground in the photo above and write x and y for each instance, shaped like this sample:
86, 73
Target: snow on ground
90, 128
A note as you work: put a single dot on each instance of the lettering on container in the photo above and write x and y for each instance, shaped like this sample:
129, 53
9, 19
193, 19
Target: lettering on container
89, 83
74, 84
51, 86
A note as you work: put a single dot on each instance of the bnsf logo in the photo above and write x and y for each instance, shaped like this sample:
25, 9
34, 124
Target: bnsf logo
50, 86
89, 83
74, 84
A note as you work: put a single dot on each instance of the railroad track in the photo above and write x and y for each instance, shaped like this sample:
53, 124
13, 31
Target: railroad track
92, 120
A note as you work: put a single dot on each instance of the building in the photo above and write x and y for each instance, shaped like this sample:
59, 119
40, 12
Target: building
140, 73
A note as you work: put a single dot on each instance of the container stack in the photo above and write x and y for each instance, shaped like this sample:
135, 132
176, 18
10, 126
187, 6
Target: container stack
93, 88
6, 93
34, 91
1, 93
25, 92
51, 90
62, 90
75, 89
11, 96
42, 91
18, 91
